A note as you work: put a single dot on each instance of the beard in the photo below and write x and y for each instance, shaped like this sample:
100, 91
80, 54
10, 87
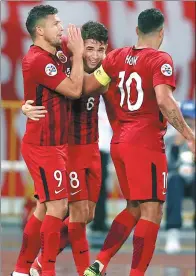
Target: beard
54, 42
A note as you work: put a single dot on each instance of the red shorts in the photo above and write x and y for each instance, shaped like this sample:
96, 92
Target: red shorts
48, 168
84, 169
141, 172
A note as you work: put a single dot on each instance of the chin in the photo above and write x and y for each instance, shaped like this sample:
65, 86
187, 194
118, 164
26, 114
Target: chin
59, 42
93, 67
90, 69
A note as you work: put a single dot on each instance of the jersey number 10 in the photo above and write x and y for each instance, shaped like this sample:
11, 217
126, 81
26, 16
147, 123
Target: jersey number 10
137, 78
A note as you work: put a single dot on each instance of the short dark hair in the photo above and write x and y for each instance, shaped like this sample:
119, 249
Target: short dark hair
150, 20
37, 13
95, 30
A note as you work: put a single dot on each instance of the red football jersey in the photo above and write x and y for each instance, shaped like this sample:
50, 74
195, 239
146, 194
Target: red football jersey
84, 121
110, 105
42, 73
134, 73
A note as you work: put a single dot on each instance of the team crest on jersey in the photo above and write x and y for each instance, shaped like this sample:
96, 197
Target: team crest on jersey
50, 70
61, 56
166, 70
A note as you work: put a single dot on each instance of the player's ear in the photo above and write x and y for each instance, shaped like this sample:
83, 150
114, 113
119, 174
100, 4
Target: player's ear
161, 32
39, 30
137, 30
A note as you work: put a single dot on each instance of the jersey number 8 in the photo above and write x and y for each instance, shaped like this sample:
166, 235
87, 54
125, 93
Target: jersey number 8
140, 98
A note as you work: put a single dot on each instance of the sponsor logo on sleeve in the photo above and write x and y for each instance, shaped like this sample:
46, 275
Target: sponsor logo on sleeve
50, 70
166, 70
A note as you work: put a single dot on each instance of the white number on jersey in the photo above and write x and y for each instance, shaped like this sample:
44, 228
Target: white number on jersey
165, 175
90, 104
74, 181
58, 177
140, 98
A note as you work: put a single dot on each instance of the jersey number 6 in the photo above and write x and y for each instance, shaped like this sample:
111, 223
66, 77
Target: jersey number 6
90, 104
137, 78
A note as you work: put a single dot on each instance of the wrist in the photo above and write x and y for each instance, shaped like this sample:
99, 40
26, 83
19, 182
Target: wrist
190, 137
78, 55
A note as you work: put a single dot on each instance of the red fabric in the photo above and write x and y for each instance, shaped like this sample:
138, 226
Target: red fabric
64, 238
80, 247
140, 172
50, 240
84, 121
134, 74
144, 240
30, 245
47, 166
42, 73
84, 181
119, 232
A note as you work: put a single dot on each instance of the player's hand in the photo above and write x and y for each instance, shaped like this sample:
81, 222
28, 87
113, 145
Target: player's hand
75, 41
33, 112
191, 143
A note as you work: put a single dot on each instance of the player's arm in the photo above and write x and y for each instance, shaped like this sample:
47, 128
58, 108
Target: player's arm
164, 84
96, 83
33, 112
46, 72
72, 86
171, 110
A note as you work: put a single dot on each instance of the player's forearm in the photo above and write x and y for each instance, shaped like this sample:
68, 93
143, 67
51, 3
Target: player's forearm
172, 113
77, 75
91, 86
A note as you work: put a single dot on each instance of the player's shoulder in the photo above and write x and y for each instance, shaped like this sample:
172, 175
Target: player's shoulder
161, 55
36, 54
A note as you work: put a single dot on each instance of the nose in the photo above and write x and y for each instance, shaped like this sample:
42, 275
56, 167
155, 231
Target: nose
61, 28
95, 55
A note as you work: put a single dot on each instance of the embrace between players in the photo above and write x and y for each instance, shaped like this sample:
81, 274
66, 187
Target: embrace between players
60, 145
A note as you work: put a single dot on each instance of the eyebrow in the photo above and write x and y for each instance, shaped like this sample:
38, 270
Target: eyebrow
92, 47
57, 21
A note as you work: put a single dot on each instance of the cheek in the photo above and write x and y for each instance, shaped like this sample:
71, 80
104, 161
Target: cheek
87, 57
49, 33
101, 56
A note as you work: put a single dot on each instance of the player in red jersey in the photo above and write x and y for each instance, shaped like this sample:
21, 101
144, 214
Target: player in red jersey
84, 164
44, 146
143, 80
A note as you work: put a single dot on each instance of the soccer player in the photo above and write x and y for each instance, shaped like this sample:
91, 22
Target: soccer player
44, 146
143, 83
84, 164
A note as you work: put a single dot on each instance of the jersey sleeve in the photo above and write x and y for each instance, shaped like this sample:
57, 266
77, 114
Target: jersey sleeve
45, 72
163, 70
107, 71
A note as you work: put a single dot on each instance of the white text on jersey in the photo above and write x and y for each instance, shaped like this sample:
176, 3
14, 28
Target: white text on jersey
131, 60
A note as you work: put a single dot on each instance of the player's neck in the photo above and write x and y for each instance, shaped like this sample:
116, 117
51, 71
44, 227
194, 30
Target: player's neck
45, 46
88, 70
147, 43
